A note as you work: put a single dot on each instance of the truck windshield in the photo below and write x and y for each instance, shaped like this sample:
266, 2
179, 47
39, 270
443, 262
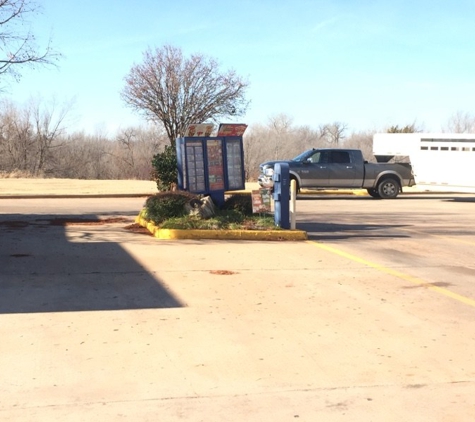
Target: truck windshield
302, 156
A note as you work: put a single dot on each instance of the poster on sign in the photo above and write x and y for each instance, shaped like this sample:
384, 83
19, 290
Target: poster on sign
261, 201
215, 164
231, 129
199, 130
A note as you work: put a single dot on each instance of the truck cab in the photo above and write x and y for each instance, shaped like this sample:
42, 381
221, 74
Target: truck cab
342, 168
321, 167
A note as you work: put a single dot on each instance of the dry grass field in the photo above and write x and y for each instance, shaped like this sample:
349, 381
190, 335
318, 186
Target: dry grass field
27, 186
46, 187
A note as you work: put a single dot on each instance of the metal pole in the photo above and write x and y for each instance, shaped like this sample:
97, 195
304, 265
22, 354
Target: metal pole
293, 203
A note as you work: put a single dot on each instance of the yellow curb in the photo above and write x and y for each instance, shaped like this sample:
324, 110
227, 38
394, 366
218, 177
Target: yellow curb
303, 191
170, 234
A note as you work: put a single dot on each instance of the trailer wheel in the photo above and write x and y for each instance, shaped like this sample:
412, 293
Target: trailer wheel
388, 188
374, 193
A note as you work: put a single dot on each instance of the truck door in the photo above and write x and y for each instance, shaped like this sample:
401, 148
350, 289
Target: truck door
343, 172
314, 172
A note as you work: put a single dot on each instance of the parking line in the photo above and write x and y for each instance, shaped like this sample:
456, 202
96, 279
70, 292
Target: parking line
463, 299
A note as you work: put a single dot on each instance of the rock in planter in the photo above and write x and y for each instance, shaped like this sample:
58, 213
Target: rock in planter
204, 207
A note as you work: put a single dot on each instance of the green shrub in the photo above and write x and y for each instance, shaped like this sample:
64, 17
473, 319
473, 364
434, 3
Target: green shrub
224, 220
189, 222
240, 203
165, 171
165, 205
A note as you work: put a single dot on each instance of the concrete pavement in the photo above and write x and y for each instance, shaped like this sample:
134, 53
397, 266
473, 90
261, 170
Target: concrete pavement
98, 323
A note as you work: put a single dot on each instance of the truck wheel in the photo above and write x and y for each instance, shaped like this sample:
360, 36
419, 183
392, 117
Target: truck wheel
388, 188
296, 183
374, 193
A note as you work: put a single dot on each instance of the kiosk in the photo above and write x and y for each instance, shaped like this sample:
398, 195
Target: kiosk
211, 165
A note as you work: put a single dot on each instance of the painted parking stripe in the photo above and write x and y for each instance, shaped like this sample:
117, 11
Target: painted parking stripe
398, 274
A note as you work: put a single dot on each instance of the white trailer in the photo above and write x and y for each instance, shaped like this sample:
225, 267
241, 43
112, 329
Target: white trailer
444, 161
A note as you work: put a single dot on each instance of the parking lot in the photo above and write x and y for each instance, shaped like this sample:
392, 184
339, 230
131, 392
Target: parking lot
431, 236
370, 319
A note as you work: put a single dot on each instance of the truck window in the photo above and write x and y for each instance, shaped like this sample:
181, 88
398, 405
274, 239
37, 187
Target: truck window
328, 157
324, 158
340, 157
314, 158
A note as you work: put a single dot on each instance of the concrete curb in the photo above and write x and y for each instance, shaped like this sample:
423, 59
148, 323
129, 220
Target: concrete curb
176, 234
359, 192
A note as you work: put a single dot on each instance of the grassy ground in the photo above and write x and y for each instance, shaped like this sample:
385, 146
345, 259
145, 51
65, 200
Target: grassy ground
25, 186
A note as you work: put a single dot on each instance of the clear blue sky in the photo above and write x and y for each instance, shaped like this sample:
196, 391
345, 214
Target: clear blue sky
367, 63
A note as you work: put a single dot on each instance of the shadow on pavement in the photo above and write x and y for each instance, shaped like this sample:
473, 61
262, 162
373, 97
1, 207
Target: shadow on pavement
467, 199
42, 271
409, 196
329, 231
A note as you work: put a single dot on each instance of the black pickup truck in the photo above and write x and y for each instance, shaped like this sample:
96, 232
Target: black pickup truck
342, 169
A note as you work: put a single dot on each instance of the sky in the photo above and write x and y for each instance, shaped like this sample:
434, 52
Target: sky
369, 64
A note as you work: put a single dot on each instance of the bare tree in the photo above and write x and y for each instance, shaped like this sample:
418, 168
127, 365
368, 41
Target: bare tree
280, 128
16, 138
363, 141
133, 152
279, 139
255, 150
85, 157
17, 45
307, 138
49, 129
333, 133
71, 163
126, 141
411, 128
29, 134
461, 122
285, 140
175, 91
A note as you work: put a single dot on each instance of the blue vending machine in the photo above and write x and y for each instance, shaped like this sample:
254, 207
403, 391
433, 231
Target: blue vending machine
211, 165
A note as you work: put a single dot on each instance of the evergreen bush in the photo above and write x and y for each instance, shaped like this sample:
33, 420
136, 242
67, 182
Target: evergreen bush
165, 205
240, 203
165, 169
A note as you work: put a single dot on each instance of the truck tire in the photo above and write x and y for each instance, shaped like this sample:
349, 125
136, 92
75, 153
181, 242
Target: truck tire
388, 188
374, 193
296, 183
